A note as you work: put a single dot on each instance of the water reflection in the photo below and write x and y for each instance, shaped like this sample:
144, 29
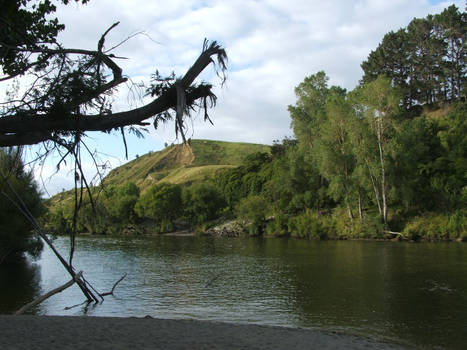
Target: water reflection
407, 292
19, 284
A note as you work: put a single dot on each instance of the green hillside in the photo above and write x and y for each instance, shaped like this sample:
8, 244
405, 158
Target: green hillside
197, 161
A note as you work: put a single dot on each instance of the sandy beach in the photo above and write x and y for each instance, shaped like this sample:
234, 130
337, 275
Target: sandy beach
63, 332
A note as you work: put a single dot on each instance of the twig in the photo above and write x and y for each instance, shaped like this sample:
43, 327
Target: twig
73, 306
113, 288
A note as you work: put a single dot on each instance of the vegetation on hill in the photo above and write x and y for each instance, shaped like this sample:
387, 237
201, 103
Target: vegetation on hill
149, 192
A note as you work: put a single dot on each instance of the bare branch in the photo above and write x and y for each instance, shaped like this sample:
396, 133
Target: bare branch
114, 286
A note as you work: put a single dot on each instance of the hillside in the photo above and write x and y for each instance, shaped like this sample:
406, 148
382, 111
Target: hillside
179, 164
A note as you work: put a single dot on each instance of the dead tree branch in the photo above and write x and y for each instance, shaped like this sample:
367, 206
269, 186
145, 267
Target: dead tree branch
30, 127
113, 288
49, 294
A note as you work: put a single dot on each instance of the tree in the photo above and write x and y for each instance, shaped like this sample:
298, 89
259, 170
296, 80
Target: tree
309, 109
253, 209
425, 60
202, 202
71, 86
448, 171
161, 203
335, 156
16, 237
307, 116
391, 59
377, 105
121, 203
450, 27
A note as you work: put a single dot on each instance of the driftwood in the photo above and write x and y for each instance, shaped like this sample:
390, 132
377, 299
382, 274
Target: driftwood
395, 233
49, 294
113, 288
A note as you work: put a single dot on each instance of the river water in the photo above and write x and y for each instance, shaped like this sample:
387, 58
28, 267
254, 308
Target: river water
414, 294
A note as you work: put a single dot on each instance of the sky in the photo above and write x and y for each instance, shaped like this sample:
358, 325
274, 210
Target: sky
272, 45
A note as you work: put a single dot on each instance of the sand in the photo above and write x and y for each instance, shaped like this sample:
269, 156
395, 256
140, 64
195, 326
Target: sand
72, 332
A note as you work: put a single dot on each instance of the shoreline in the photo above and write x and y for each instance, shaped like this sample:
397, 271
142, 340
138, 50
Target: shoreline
191, 233
86, 332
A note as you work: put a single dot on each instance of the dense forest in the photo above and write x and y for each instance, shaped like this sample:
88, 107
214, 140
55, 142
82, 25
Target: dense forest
385, 160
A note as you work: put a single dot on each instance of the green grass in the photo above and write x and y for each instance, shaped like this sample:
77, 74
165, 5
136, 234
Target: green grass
183, 164
223, 153
194, 174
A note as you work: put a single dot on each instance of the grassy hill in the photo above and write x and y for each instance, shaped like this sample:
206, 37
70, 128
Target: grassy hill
178, 164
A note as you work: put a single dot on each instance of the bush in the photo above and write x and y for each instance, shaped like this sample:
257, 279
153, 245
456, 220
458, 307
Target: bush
253, 210
278, 226
369, 227
161, 203
121, 203
202, 202
433, 226
310, 225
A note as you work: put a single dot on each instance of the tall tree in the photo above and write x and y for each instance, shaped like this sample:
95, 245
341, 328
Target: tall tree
335, 156
391, 58
309, 110
425, 60
307, 115
378, 105
451, 27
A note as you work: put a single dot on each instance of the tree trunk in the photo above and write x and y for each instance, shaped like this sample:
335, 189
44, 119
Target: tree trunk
360, 209
87, 293
375, 189
383, 170
349, 209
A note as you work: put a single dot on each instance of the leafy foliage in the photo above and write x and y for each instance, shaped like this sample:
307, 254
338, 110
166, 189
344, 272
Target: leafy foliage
253, 209
162, 203
426, 60
202, 202
16, 236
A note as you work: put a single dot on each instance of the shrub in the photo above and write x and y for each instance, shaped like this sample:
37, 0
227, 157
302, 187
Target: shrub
202, 202
310, 225
253, 210
278, 226
161, 203
433, 226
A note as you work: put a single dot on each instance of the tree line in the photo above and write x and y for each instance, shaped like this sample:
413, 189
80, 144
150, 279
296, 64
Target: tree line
425, 60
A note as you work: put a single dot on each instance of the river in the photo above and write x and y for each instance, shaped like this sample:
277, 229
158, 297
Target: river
415, 294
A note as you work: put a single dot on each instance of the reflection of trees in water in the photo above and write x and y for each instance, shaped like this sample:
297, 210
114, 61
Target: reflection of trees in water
20, 283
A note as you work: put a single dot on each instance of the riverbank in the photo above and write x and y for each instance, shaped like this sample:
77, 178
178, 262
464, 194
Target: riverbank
63, 332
